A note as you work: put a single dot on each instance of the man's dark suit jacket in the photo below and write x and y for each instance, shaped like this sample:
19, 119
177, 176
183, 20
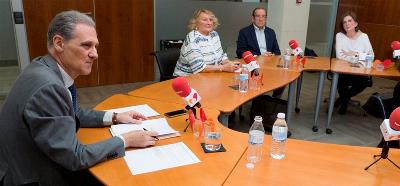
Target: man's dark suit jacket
38, 142
247, 40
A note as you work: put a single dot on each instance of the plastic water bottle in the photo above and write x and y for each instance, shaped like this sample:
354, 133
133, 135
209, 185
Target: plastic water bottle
279, 136
256, 140
369, 58
286, 59
244, 79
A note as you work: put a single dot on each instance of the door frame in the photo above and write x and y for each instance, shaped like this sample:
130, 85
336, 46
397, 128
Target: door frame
20, 36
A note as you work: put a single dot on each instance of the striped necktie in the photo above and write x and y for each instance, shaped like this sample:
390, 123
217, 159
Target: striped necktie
72, 89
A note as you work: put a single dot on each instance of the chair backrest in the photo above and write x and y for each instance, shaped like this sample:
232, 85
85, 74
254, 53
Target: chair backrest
375, 106
166, 61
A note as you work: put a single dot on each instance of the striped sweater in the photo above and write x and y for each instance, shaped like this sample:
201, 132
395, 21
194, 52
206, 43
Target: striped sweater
197, 52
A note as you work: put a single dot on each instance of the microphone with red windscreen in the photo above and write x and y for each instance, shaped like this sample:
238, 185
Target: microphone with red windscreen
183, 89
391, 127
395, 45
394, 119
297, 51
252, 64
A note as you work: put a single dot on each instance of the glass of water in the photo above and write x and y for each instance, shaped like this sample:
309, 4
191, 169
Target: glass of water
212, 136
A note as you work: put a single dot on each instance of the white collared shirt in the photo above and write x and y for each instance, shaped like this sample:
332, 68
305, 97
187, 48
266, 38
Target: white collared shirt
262, 44
68, 81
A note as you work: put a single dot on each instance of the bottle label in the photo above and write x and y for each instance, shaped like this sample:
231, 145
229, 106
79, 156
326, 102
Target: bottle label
256, 137
279, 133
286, 58
243, 77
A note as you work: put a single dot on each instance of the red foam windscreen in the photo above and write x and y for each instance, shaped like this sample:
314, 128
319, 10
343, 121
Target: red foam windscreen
395, 45
394, 119
248, 57
293, 44
181, 86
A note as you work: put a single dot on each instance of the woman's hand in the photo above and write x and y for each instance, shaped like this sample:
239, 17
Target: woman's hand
230, 66
348, 53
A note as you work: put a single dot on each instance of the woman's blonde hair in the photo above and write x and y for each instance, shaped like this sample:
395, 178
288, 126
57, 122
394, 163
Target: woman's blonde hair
192, 23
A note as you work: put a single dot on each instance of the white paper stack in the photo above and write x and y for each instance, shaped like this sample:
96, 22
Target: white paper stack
158, 158
145, 109
160, 125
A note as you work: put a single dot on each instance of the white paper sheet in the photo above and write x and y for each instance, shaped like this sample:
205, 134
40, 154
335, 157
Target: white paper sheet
145, 109
160, 125
159, 158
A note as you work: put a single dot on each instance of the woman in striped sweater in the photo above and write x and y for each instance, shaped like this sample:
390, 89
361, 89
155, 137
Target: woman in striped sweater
202, 51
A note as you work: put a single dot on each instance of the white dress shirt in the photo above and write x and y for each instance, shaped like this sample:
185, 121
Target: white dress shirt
262, 44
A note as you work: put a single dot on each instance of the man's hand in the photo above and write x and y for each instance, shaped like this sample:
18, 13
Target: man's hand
130, 117
139, 138
269, 54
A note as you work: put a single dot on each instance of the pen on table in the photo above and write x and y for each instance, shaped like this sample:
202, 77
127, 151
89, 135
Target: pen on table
155, 137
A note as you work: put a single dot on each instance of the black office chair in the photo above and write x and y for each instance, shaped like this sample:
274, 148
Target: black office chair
354, 103
166, 61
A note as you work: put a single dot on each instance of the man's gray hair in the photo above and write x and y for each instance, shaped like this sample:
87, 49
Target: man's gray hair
64, 23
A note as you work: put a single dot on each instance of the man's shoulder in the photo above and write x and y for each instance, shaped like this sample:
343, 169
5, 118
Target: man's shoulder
268, 29
39, 73
247, 28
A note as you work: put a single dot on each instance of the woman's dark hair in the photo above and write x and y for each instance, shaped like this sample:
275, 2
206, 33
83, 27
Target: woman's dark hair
352, 15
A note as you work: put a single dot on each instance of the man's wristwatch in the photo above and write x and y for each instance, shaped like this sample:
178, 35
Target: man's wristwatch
114, 118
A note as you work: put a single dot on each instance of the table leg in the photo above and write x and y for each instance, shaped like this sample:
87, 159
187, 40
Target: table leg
320, 88
290, 101
298, 91
332, 97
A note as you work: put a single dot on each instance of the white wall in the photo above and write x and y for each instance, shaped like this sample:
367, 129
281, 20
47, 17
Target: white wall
289, 20
172, 17
8, 49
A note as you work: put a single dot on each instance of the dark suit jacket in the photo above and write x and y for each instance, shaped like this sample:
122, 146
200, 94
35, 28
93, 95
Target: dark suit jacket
247, 40
38, 142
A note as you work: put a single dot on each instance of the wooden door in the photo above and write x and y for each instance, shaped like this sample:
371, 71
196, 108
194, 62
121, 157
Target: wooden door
377, 18
126, 37
38, 14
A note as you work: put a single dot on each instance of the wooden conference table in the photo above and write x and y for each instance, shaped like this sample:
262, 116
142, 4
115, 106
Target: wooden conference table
213, 169
306, 163
216, 93
313, 163
343, 67
215, 90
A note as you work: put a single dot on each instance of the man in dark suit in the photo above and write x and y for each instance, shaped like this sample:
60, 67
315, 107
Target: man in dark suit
257, 37
40, 117
259, 40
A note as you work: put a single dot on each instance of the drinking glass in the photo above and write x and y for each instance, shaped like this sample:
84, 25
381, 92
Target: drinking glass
212, 137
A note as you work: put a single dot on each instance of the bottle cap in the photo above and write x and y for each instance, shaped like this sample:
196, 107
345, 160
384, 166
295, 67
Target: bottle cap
281, 115
249, 165
258, 118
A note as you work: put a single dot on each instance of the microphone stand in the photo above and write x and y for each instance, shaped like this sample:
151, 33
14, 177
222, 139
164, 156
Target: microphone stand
384, 155
198, 105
